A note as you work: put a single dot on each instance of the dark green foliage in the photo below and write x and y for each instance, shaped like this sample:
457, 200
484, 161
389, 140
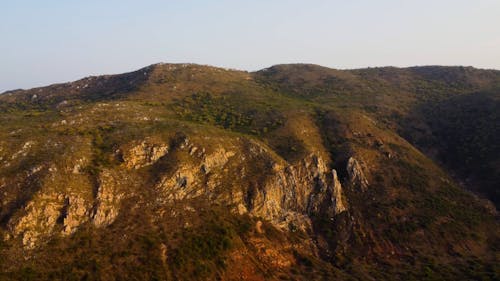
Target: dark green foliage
201, 250
467, 131
226, 113
290, 148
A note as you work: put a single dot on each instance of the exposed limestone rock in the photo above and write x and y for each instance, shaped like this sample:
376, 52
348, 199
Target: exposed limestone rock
191, 180
356, 174
41, 216
108, 199
76, 212
144, 154
193, 150
287, 195
80, 163
24, 150
34, 170
284, 194
241, 209
336, 194
163, 253
294, 221
291, 195
185, 183
217, 159
243, 174
258, 227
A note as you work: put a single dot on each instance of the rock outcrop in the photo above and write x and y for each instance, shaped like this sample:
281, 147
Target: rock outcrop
107, 200
337, 198
38, 219
285, 194
144, 154
240, 173
356, 174
75, 212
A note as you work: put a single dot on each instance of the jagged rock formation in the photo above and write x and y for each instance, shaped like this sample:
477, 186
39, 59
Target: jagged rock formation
75, 212
356, 174
336, 194
285, 194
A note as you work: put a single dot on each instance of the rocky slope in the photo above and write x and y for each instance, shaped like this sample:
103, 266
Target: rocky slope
294, 172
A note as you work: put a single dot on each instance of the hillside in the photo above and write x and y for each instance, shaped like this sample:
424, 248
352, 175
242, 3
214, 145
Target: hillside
294, 172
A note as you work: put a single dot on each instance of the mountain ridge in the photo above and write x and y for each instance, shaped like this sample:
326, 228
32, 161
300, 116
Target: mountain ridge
12, 91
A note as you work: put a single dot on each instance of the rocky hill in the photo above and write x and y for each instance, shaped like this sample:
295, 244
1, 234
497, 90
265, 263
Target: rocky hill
294, 172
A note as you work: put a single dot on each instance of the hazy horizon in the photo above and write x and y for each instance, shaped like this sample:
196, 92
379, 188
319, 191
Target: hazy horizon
55, 42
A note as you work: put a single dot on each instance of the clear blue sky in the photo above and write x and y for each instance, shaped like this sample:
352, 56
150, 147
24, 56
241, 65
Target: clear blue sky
52, 41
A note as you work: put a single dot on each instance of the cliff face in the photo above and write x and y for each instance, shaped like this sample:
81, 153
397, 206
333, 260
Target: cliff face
191, 172
236, 172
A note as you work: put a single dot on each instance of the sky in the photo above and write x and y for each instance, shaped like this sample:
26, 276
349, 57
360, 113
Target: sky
54, 41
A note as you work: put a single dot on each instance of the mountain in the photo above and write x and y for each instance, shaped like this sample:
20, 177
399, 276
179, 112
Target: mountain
294, 172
